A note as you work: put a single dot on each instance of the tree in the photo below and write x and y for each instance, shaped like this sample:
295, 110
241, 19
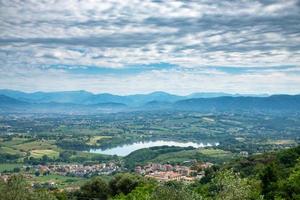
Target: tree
45, 158
97, 188
294, 181
268, 179
124, 183
16, 188
142, 192
16, 169
37, 173
61, 195
230, 186
290, 187
65, 155
174, 191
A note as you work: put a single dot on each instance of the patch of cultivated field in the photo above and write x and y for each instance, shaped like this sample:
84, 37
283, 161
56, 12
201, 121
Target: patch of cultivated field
40, 153
215, 152
210, 154
11, 151
281, 142
14, 141
36, 145
94, 139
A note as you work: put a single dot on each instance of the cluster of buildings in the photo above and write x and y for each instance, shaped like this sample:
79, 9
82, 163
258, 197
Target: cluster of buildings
167, 172
79, 169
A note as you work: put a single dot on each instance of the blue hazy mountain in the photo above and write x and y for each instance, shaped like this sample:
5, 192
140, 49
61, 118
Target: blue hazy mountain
46, 97
106, 97
12, 105
221, 94
6, 100
278, 103
91, 103
87, 98
133, 100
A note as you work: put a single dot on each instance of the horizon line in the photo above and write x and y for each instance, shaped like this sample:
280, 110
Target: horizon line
152, 92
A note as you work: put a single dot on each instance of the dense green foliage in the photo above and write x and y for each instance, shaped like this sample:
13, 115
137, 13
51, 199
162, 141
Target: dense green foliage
96, 188
147, 154
174, 155
271, 176
16, 188
277, 172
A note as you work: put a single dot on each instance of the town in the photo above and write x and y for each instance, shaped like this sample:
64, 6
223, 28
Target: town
168, 172
160, 172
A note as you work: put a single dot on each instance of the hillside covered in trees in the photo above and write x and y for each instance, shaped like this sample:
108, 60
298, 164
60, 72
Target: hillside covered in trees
267, 176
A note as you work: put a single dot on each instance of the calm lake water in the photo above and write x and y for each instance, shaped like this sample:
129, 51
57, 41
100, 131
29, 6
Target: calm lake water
124, 150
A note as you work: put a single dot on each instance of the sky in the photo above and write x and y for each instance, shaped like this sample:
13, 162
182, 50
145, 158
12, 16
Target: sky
141, 46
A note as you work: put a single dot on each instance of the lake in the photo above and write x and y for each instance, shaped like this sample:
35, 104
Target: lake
124, 150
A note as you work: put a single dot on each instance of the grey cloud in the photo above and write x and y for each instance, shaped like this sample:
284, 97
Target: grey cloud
114, 40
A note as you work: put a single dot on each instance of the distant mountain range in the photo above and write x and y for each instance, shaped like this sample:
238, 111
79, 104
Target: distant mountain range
278, 103
86, 102
87, 98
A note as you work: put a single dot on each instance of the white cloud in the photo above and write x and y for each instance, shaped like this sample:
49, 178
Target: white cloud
118, 34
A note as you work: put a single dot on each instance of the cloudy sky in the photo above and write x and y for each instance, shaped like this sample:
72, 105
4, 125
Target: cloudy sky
140, 46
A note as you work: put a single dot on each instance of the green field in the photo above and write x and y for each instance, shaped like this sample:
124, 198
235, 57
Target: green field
280, 142
14, 141
218, 153
10, 150
36, 145
9, 166
204, 154
60, 181
40, 153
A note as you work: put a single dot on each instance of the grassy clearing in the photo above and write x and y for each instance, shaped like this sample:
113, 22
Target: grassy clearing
9, 166
60, 181
36, 148
281, 142
11, 151
14, 141
94, 139
37, 145
40, 153
211, 155
214, 152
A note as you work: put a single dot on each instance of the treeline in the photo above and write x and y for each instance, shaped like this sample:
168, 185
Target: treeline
67, 156
142, 155
73, 144
227, 185
7, 158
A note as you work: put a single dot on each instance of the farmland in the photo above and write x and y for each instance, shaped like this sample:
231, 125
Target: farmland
30, 143
38, 135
